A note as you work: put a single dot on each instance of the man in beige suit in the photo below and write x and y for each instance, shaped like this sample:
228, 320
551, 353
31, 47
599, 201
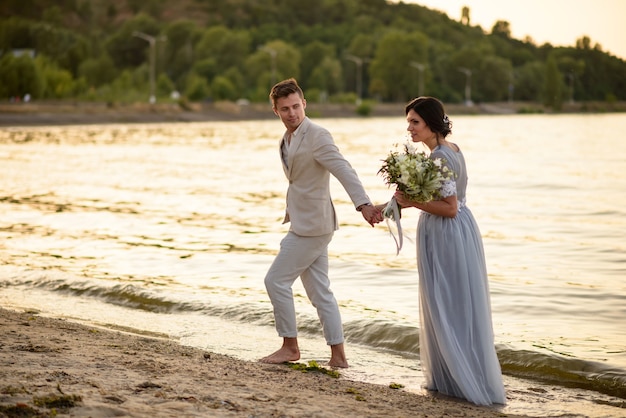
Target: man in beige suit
309, 156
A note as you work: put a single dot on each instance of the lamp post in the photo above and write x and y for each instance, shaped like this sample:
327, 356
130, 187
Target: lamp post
571, 76
359, 80
152, 41
420, 68
468, 85
273, 54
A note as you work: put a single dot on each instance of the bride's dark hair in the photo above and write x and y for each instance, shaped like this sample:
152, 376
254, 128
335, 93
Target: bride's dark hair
431, 110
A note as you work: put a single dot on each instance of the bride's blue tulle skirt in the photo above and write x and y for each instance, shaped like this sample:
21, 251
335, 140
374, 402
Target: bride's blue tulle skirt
457, 349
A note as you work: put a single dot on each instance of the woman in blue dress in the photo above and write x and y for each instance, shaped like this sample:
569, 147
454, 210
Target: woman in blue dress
457, 349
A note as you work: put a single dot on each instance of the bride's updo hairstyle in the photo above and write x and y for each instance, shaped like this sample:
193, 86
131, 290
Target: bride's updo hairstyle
433, 113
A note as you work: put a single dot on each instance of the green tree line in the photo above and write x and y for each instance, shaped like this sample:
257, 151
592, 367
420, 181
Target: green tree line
339, 50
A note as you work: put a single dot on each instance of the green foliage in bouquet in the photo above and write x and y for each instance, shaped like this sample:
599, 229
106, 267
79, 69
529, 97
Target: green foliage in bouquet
415, 174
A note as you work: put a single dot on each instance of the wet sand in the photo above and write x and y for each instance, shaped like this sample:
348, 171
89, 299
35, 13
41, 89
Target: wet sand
54, 367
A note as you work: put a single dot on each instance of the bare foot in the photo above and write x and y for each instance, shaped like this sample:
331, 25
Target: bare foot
338, 356
338, 363
284, 354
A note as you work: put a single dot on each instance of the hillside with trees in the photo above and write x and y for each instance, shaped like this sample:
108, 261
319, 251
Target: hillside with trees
124, 51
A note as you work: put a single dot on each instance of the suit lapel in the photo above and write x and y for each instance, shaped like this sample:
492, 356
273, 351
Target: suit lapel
285, 157
296, 141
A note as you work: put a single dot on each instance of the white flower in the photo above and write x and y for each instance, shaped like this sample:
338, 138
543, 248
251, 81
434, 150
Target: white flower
415, 174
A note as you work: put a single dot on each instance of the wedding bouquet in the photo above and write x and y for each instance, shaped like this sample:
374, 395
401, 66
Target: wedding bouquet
414, 173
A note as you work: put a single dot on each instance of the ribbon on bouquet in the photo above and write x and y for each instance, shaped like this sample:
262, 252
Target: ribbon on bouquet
392, 218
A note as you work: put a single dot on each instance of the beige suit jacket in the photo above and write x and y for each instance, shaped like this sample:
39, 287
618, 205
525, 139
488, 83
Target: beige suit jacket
311, 158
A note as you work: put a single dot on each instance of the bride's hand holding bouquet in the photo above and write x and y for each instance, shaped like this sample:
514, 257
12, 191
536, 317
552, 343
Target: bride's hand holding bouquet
416, 175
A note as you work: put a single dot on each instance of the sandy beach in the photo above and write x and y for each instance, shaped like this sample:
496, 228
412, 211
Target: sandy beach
55, 367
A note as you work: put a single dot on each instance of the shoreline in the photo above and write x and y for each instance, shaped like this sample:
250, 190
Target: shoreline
59, 113
54, 366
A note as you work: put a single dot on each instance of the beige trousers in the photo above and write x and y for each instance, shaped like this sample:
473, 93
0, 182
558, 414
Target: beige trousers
307, 258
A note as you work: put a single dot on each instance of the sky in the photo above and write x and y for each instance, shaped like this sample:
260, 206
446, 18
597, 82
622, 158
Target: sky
559, 22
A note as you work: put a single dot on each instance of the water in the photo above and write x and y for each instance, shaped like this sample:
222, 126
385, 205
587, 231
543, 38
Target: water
168, 229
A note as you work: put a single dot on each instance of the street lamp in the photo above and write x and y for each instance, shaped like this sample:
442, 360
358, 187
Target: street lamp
273, 54
511, 87
420, 68
152, 41
468, 85
359, 75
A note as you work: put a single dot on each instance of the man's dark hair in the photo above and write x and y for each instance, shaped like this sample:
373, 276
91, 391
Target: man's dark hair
285, 88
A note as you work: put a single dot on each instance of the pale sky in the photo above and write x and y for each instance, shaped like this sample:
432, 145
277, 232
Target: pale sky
559, 22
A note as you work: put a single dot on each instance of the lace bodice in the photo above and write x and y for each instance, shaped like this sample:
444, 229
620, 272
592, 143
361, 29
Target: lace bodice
448, 188
455, 162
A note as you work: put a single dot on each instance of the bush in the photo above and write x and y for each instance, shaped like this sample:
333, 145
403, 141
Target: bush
197, 88
19, 76
365, 108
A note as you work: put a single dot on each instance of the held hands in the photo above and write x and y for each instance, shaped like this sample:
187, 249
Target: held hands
372, 214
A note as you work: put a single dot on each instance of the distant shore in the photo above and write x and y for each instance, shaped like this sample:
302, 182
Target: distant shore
83, 113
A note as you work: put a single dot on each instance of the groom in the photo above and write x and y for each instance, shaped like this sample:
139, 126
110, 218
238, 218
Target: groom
309, 156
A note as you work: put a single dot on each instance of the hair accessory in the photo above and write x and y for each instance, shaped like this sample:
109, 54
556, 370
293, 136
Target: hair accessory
446, 120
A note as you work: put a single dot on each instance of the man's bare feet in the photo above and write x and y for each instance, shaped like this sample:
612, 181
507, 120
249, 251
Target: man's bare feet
335, 363
338, 356
288, 352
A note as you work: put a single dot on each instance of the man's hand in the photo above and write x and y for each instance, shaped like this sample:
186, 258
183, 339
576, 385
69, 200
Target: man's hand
371, 214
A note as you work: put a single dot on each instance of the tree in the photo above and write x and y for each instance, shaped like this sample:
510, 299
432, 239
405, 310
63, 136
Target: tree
179, 52
220, 39
494, 78
127, 50
206, 68
19, 76
197, 88
236, 78
362, 46
466, 58
67, 48
223, 89
501, 28
583, 43
529, 81
572, 69
465, 16
15, 33
53, 15
313, 54
164, 86
129, 86
553, 84
57, 82
327, 76
390, 71
272, 62
97, 71
229, 48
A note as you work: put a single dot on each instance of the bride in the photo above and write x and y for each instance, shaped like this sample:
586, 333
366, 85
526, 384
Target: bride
456, 334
